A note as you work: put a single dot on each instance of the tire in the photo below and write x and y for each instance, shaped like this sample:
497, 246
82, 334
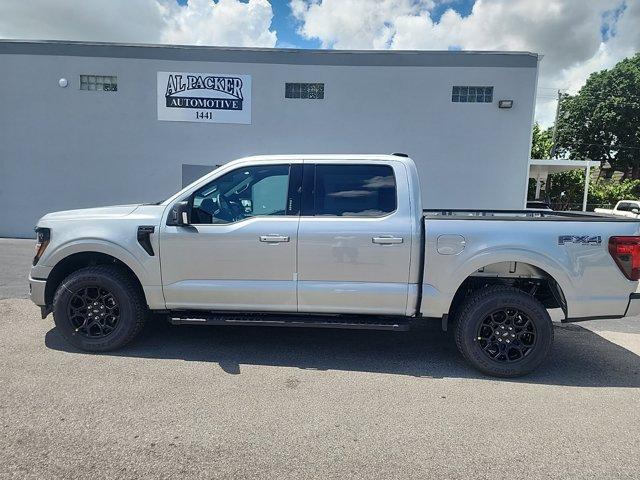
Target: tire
117, 314
503, 332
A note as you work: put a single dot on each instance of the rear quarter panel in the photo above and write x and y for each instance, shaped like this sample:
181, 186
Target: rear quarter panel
590, 280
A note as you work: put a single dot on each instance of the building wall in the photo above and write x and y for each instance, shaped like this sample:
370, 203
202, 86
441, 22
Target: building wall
65, 148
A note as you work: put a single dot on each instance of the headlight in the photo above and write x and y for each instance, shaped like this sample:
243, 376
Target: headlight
43, 235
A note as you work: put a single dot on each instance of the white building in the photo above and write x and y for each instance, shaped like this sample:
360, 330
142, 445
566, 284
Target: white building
89, 124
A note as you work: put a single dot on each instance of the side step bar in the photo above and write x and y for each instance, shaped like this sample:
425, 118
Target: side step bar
311, 321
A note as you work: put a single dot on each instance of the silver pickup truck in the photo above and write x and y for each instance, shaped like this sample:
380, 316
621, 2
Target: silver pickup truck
338, 241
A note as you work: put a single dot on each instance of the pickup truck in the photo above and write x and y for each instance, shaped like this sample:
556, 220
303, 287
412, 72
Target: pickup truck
333, 241
624, 208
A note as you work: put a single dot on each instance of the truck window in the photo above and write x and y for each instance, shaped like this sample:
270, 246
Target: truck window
355, 190
625, 207
242, 193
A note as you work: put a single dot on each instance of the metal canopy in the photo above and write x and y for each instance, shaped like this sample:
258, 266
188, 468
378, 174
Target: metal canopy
539, 169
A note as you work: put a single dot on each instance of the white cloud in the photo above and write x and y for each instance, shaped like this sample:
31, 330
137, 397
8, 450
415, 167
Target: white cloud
223, 22
354, 24
115, 20
227, 22
566, 32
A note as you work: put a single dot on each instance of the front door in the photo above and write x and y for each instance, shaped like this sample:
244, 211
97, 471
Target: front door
239, 252
354, 245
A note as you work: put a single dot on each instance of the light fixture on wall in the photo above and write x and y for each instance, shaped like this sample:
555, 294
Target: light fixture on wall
63, 83
505, 103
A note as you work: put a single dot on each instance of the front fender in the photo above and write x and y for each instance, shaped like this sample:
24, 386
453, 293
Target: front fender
101, 246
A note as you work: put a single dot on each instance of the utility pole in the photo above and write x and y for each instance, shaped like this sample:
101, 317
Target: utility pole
555, 125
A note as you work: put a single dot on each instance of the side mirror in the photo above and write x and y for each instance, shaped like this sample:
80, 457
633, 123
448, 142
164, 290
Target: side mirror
180, 214
635, 210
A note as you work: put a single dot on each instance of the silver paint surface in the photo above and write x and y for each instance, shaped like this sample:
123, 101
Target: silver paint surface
331, 264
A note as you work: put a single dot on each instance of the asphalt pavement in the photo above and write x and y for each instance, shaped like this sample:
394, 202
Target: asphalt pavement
233, 402
16, 256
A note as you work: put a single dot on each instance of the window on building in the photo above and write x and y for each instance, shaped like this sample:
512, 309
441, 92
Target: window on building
242, 193
355, 190
472, 94
312, 91
102, 83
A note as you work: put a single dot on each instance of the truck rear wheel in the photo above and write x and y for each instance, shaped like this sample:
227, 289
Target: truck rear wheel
503, 331
99, 308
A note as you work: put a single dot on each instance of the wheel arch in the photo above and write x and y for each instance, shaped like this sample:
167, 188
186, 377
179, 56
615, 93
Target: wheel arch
80, 259
528, 276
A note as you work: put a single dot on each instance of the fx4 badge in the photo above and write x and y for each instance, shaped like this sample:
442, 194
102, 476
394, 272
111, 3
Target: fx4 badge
579, 239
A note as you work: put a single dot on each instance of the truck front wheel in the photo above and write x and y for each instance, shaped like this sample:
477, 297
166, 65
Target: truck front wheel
99, 308
503, 331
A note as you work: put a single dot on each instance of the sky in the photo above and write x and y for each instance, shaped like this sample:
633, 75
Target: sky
576, 37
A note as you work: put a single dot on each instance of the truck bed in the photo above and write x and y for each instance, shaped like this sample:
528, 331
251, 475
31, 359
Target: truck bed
572, 248
540, 215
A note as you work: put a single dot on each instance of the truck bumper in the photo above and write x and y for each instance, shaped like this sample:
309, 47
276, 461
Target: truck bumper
36, 291
633, 309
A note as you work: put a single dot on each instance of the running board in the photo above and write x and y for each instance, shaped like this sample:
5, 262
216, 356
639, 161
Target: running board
311, 321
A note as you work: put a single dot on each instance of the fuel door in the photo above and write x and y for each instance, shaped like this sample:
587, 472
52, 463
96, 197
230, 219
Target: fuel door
450, 244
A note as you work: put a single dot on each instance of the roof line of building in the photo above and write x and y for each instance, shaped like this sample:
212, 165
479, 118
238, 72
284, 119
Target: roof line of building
408, 58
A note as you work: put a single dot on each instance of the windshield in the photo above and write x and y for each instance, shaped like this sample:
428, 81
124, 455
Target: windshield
189, 180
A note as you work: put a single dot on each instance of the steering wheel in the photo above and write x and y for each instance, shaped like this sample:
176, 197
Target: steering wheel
224, 208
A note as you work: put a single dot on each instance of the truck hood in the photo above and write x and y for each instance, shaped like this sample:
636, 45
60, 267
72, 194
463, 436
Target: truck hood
116, 211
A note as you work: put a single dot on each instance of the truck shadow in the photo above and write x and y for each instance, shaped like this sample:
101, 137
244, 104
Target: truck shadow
580, 357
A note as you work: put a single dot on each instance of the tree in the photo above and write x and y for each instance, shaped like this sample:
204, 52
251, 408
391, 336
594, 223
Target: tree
602, 121
542, 142
565, 190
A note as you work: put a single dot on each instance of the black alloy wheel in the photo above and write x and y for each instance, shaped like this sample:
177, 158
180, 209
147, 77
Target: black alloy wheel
503, 331
507, 335
99, 308
93, 312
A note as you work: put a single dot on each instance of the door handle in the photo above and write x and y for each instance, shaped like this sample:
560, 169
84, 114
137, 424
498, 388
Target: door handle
272, 238
387, 240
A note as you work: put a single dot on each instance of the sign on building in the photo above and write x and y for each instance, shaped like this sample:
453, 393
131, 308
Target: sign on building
204, 97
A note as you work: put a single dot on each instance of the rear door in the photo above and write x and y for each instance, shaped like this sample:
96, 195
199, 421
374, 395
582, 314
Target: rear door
354, 244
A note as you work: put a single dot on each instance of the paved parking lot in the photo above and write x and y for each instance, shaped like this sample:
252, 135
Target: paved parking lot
229, 402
